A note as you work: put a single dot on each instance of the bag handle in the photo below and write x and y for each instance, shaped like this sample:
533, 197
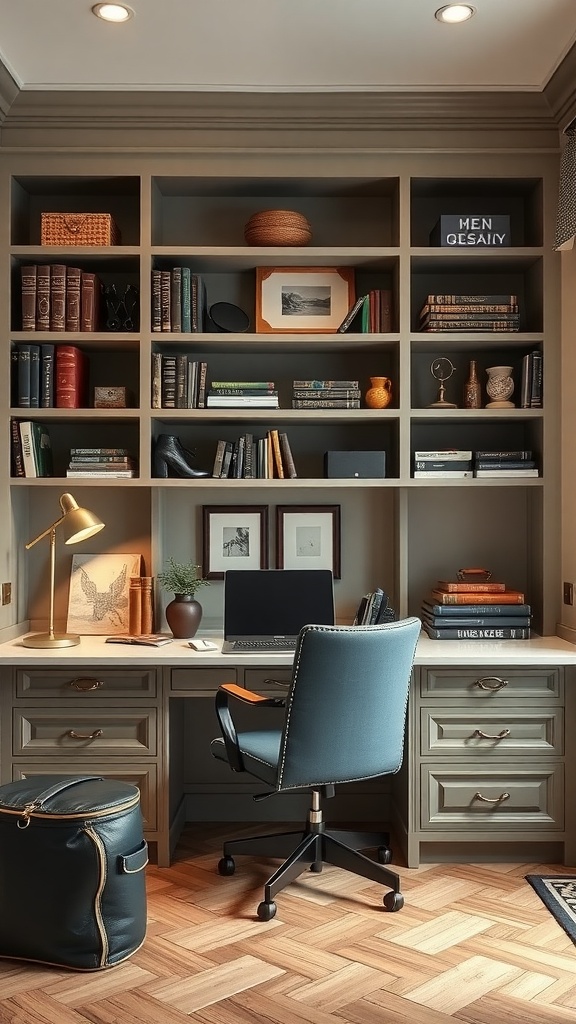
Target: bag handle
60, 787
474, 575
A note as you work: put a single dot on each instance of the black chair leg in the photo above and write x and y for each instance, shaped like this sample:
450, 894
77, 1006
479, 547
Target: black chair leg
276, 844
342, 856
309, 851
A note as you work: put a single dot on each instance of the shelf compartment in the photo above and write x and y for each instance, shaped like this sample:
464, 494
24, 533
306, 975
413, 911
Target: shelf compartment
33, 195
213, 211
105, 368
486, 352
480, 432
68, 428
519, 198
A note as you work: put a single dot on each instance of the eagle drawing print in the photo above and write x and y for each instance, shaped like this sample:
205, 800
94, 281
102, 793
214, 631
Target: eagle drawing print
99, 593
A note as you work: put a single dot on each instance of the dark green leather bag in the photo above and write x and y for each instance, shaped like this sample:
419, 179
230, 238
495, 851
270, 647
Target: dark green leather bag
72, 879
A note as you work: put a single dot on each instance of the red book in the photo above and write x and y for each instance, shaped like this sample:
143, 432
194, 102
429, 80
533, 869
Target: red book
71, 378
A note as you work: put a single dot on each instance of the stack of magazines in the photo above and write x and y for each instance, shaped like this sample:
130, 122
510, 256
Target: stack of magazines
374, 609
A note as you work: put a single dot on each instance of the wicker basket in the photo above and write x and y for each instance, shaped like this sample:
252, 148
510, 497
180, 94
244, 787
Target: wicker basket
78, 229
277, 227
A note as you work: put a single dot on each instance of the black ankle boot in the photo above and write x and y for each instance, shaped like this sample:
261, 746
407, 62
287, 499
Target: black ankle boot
170, 454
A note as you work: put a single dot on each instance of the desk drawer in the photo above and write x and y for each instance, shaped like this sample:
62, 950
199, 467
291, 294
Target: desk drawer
255, 679
492, 799
493, 683
503, 733
182, 679
97, 683
62, 731
144, 776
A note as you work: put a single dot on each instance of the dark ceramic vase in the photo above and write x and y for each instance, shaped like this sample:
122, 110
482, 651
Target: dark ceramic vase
184, 615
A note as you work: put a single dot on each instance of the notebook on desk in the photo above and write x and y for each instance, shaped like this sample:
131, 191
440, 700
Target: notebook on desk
265, 609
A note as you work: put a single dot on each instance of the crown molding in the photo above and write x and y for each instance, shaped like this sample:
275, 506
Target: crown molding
560, 92
9, 91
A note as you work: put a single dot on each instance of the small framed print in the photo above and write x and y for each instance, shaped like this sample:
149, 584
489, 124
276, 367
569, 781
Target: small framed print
308, 537
311, 299
234, 537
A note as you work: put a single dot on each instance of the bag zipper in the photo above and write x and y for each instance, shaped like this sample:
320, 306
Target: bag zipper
30, 811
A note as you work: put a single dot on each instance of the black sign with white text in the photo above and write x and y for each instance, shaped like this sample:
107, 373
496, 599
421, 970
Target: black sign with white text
465, 230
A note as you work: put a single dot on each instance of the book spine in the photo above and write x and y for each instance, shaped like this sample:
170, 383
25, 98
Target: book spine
508, 597
30, 468
34, 376
70, 383
465, 325
326, 393
477, 300
156, 397
521, 454
504, 464
24, 376
57, 297
325, 403
165, 294
386, 318
197, 303
156, 300
454, 314
451, 464
181, 382
218, 458
43, 298
443, 474
536, 381
241, 392
147, 621
287, 457
277, 454
239, 402
176, 299
233, 386
16, 450
169, 382
451, 454
42, 450
202, 372
313, 385
28, 282
227, 460
99, 451
352, 313
102, 474
471, 588
47, 376
248, 472
486, 621
504, 471
72, 301
468, 308
449, 611
135, 606
504, 633
89, 301
185, 301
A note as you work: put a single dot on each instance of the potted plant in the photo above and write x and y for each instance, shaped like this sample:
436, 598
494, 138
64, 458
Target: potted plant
184, 612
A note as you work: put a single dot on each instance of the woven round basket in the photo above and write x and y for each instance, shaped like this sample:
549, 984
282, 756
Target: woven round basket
277, 227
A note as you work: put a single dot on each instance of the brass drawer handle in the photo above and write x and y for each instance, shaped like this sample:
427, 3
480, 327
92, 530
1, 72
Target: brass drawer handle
85, 683
478, 734
84, 735
491, 800
484, 683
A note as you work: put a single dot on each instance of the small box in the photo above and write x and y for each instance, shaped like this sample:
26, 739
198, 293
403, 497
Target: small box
78, 229
111, 398
363, 465
472, 230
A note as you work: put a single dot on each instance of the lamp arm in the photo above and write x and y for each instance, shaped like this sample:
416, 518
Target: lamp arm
44, 533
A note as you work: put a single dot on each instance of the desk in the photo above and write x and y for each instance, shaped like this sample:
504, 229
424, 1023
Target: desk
130, 712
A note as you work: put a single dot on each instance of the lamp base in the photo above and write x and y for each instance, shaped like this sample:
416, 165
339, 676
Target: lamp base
51, 640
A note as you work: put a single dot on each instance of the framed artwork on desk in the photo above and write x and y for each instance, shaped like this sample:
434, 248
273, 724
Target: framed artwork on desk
308, 537
234, 537
310, 299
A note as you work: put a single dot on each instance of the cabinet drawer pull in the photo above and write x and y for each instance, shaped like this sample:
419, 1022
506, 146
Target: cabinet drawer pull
479, 735
85, 683
491, 683
491, 800
84, 735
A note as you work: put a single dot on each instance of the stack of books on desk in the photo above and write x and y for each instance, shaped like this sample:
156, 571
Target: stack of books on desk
496, 465
475, 611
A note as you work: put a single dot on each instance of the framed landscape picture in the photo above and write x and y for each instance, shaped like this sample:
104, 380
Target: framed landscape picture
310, 299
234, 537
308, 537
98, 601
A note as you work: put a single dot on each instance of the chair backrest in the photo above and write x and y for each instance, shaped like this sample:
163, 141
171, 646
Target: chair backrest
346, 707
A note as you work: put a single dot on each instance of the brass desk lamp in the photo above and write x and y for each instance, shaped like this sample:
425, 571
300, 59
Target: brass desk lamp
77, 524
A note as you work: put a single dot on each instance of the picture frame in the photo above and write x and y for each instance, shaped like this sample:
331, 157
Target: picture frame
98, 597
310, 299
308, 537
233, 537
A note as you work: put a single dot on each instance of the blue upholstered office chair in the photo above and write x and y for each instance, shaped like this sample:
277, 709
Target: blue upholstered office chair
345, 719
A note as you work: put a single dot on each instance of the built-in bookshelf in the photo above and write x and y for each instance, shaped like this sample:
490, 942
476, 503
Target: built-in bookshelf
397, 532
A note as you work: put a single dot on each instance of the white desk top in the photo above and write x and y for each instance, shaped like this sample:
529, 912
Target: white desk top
93, 651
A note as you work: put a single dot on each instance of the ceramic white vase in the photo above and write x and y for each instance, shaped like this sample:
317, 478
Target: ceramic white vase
499, 387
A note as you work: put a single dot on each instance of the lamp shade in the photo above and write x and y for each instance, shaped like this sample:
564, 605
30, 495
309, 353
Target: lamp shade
78, 523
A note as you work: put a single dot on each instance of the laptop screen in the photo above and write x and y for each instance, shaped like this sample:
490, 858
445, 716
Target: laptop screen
276, 602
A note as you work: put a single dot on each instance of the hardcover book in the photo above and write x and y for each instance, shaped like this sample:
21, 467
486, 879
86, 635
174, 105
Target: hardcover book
145, 640
71, 380
43, 297
176, 299
90, 297
478, 633
28, 283
504, 597
72, 301
450, 611
46, 376
186, 307
468, 621
156, 300
57, 297
460, 587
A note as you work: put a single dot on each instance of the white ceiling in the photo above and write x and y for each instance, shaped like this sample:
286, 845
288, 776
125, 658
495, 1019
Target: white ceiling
285, 45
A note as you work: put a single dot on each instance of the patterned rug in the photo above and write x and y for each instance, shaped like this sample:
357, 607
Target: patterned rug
558, 893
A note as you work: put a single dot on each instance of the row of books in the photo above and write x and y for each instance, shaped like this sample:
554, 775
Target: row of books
460, 610
178, 382
464, 463
325, 394
178, 300
102, 463
250, 458
374, 609
59, 298
31, 449
48, 376
370, 314
470, 313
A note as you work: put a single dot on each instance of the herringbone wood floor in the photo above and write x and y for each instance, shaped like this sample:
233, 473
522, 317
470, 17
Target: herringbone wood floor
473, 944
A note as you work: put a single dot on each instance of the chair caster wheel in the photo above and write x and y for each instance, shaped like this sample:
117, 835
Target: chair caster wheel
393, 901
316, 866
384, 855
226, 866
266, 911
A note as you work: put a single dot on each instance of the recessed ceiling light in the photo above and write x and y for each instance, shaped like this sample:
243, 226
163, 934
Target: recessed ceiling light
113, 12
452, 14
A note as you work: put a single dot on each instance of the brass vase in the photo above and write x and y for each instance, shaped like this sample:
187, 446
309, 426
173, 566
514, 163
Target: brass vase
379, 394
472, 389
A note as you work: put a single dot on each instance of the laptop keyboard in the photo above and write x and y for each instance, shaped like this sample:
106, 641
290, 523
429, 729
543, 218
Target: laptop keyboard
274, 644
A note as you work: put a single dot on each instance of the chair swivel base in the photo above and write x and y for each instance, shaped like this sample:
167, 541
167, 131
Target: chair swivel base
311, 848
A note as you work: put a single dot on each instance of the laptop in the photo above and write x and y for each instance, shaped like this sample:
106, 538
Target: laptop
265, 609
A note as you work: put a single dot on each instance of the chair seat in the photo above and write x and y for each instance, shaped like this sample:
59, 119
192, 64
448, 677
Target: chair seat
260, 753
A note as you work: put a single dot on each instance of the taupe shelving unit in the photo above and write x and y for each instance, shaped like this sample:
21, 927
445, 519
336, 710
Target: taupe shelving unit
370, 212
